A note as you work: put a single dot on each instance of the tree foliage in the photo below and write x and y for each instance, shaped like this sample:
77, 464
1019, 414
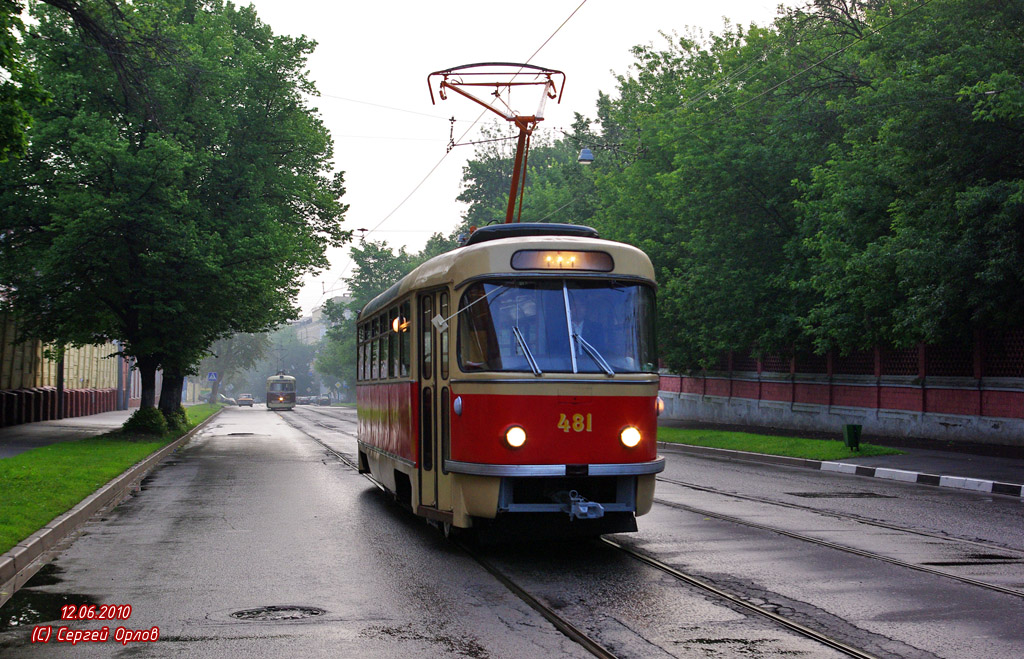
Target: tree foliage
20, 92
176, 190
847, 176
376, 267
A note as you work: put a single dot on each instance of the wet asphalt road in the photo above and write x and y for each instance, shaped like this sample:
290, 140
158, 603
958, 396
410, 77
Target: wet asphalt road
253, 513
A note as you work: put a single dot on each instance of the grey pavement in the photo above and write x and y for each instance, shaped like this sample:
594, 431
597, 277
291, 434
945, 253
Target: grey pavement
25, 436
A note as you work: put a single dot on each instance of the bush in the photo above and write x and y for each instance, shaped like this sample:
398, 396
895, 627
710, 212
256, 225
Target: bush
146, 421
176, 420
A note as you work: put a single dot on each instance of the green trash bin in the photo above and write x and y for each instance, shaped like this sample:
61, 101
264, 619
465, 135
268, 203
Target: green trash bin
851, 435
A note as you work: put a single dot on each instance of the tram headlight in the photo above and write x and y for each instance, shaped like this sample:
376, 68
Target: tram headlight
515, 436
630, 436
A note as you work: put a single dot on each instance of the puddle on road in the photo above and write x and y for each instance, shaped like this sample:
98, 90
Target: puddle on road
977, 559
31, 607
840, 495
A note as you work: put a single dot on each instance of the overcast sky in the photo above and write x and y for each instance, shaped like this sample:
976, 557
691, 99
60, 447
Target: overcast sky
371, 66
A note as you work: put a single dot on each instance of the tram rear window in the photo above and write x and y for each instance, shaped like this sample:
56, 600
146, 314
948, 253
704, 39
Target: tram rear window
547, 259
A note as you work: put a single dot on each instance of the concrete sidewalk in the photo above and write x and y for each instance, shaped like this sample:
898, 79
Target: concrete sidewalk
25, 436
19, 564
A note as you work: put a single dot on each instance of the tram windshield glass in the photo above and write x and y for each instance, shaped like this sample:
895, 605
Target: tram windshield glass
281, 386
524, 325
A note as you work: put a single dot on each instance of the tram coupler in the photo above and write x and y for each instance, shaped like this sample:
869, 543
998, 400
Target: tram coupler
578, 506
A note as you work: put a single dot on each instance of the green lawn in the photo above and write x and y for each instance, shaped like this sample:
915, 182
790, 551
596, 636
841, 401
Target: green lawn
38, 485
794, 447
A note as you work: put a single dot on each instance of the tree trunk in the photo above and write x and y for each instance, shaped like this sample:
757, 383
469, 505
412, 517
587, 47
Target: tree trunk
170, 391
214, 390
147, 372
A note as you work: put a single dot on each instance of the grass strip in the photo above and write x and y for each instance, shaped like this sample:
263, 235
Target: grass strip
793, 447
40, 484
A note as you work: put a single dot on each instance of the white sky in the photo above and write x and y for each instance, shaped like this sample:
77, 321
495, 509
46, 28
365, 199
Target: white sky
381, 53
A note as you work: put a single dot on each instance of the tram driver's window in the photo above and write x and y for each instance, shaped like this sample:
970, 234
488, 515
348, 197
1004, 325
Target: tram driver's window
478, 344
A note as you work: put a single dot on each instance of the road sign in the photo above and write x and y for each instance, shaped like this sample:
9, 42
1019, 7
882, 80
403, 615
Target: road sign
211, 377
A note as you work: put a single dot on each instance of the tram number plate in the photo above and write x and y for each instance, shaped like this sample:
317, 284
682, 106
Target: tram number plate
575, 423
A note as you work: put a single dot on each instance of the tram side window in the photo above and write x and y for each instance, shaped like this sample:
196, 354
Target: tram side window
359, 352
394, 328
443, 303
404, 339
360, 361
427, 308
367, 357
374, 354
383, 340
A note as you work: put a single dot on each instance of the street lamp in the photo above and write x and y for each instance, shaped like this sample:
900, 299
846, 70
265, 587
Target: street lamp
586, 157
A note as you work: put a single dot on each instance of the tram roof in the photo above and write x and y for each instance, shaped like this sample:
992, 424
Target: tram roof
493, 256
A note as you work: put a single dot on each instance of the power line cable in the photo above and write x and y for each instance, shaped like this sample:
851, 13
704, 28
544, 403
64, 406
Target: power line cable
385, 107
461, 137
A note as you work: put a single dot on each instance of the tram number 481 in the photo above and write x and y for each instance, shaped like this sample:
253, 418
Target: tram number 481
575, 423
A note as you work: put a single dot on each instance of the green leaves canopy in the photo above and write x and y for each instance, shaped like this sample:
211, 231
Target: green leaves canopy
176, 190
849, 176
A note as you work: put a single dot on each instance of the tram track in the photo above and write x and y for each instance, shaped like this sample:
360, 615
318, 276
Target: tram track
788, 623
573, 632
832, 545
561, 624
598, 650
837, 515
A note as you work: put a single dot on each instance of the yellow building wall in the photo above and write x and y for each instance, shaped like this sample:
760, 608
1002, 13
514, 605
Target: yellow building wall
23, 365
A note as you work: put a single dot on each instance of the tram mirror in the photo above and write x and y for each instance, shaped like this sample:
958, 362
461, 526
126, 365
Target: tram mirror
439, 322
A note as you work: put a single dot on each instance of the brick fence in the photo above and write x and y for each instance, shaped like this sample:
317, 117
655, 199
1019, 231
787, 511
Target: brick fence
969, 393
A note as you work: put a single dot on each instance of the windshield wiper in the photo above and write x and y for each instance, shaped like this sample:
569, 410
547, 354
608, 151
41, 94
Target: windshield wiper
594, 354
526, 351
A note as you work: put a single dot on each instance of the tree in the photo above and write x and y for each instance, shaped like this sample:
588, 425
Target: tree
915, 225
171, 200
20, 92
377, 267
230, 357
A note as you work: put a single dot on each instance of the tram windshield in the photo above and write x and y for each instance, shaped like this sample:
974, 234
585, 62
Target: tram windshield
524, 325
281, 386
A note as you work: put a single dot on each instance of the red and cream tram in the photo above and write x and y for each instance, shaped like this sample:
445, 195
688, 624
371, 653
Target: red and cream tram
513, 381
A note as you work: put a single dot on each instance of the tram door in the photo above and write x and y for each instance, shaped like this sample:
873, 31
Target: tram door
435, 487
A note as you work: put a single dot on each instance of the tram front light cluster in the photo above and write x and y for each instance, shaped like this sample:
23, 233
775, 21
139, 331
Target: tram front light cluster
515, 436
630, 436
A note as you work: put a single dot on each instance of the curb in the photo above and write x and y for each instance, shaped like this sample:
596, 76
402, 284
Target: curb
19, 564
959, 482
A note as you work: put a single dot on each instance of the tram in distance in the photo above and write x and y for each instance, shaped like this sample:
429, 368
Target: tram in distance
280, 392
512, 383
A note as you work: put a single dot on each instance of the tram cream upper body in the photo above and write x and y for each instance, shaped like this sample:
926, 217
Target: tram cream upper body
494, 259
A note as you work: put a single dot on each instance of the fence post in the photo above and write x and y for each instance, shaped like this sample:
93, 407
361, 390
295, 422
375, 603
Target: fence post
922, 373
979, 359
